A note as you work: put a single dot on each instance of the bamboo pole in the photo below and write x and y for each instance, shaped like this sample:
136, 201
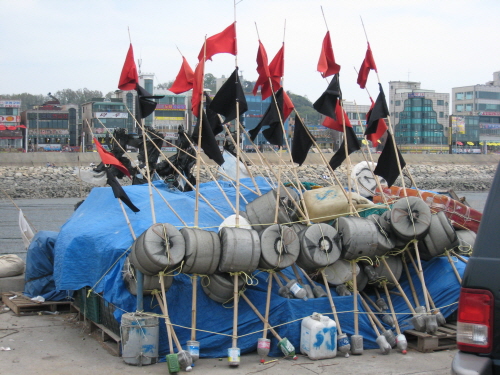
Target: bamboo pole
395, 281
268, 304
332, 305
410, 281
165, 312
389, 300
194, 306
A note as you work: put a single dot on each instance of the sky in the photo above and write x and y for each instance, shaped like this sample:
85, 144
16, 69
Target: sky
51, 45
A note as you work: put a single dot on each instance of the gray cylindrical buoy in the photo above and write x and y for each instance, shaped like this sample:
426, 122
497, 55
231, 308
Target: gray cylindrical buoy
263, 347
319, 247
280, 247
380, 302
401, 343
233, 356
343, 344
418, 322
185, 360
431, 325
390, 337
410, 218
193, 347
384, 346
387, 319
342, 290
357, 344
441, 321
297, 290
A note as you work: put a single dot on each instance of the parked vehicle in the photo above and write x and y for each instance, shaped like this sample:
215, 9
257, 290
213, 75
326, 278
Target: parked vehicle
478, 322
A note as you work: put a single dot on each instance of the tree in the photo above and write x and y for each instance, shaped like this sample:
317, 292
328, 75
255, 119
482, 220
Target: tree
305, 108
28, 101
210, 82
165, 85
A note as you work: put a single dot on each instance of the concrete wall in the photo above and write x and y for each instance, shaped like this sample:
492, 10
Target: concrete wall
73, 159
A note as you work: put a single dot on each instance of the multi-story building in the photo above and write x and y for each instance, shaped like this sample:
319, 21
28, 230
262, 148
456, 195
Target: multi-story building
477, 107
12, 133
48, 127
420, 117
100, 116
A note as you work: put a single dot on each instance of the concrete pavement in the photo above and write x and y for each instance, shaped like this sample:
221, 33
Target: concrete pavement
59, 344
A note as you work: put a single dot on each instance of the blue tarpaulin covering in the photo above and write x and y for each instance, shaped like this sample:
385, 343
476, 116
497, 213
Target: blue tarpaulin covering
39, 278
92, 246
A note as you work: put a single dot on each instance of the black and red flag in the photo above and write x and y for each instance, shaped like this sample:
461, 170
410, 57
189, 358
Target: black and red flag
129, 77
327, 102
375, 123
301, 142
352, 145
336, 123
118, 191
223, 42
230, 93
184, 80
367, 65
276, 113
387, 164
109, 159
326, 64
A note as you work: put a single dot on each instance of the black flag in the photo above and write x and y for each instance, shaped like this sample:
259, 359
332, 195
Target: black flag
302, 141
379, 111
352, 145
145, 106
118, 190
208, 143
327, 102
387, 164
231, 92
213, 117
274, 134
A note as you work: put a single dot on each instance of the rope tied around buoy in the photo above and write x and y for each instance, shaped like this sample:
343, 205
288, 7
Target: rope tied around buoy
397, 252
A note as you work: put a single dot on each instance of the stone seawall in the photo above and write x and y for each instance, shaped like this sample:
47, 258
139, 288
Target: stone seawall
61, 182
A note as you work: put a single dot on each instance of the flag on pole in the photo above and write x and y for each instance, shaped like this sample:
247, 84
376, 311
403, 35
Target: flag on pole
118, 191
184, 80
26, 232
375, 124
327, 102
302, 141
145, 105
198, 82
224, 42
367, 65
109, 159
214, 119
129, 78
336, 123
277, 68
208, 142
326, 64
387, 164
352, 145
226, 98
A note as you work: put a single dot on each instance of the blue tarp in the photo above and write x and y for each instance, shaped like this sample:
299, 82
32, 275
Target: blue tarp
93, 244
39, 278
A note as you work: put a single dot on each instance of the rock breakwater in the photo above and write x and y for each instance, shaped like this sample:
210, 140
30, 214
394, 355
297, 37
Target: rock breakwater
62, 182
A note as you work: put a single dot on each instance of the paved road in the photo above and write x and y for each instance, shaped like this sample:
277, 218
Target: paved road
58, 344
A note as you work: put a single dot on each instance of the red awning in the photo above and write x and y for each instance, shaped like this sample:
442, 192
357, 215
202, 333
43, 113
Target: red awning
460, 143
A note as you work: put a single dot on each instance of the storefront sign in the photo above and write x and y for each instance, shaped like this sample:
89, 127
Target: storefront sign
110, 115
10, 118
171, 106
10, 103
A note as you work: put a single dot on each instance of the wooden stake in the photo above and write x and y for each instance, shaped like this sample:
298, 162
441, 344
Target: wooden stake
268, 304
410, 281
193, 307
332, 305
395, 281
264, 320
235, 310
392, 308
165, 312
355, 299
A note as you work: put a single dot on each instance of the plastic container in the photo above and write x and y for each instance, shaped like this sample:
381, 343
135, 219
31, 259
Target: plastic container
328, 203
233, 356
263, 347
318, 337
297, 290
193, 347
139, 335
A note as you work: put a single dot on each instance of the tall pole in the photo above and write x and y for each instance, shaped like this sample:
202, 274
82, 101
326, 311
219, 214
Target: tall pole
37, 129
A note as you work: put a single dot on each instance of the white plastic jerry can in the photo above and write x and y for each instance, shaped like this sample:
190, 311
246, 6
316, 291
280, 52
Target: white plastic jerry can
318, 337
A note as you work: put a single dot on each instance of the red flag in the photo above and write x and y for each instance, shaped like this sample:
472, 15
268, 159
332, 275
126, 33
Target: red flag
224, 42
108, 158
198, 82
381, 127
184, 80
366, 66
277, 66
287, 106
264, 74
326, 64
337, 124
129, 78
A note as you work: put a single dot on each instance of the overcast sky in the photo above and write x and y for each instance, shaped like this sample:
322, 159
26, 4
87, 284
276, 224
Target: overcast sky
52, 45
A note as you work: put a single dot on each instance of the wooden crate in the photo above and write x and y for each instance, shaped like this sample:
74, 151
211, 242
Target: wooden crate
108, 339
444, 338
22, 305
